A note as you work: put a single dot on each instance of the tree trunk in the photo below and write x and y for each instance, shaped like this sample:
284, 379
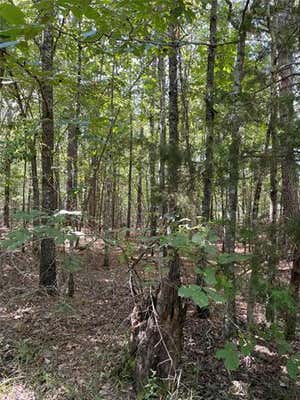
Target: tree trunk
6, 208
290, 179
107, 217
48, 251
210, 115
162, 135
184, 77
140, 188
234, 119
153, 188
72, 157
158, 323
129, 193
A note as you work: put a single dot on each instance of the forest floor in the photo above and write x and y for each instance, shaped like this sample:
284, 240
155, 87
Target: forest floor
76, 349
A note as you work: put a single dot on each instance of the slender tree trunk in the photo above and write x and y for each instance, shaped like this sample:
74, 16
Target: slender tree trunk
210, 115
153, 188
114, 197
72, 157
140, 189
107, 217
209, 155
290, 178
129, 193
234, 119
186, 124
34, 175
6, 208
91, 196
261, 175
162, 136
48, 251
273, 258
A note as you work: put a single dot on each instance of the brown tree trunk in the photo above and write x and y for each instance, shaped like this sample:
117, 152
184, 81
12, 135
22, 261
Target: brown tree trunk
184, 77
210, 115
107, 217
130, 166
48, 251
162, 134
158, 323
289, 172
6, 208
72, 157
153, 188
209, 147
234, 118
140, 188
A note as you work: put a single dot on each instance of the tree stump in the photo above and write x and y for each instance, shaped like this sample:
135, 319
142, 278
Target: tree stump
157, 331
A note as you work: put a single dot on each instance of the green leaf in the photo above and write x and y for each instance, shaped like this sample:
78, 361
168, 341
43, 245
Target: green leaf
214, 295
210, 276
12, 14
230, 355
293, 366
247, 347
71, 263
91, 13
198, 239
228, 258
16, 239
195, 293
28, 216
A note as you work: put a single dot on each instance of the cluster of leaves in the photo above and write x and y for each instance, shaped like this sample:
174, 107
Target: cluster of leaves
217, 289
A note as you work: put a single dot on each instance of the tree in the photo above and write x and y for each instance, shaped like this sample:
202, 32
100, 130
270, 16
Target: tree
48, 252
290, 179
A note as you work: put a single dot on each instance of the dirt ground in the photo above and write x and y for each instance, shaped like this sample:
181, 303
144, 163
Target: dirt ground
76, 349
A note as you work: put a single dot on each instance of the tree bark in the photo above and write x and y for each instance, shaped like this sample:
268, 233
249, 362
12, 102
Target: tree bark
186, 124
290, 180
72, 157
234, 118
140, 188
130, 166
209, 147
48, 251
153, 187
6, 208
158, 322
210, 115
162, 135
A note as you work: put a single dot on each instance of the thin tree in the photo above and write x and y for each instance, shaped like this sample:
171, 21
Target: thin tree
48, 250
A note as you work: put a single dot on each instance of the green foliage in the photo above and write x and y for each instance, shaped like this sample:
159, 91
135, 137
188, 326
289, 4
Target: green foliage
71, 263
230, 355
247, 345
281, 299
293, 366
123, 373
226, 258
16, 239
195, 293
12, 14
209, 274
26, 351
53, 226
152, 388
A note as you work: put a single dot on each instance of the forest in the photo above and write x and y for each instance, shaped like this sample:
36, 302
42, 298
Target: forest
149, 199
